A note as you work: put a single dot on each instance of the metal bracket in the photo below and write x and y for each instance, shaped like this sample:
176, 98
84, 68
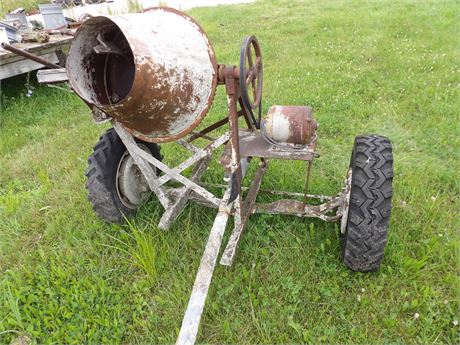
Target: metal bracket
172, 212
140, 156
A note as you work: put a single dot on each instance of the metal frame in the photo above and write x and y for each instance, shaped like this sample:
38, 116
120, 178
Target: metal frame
235, 165
241, 148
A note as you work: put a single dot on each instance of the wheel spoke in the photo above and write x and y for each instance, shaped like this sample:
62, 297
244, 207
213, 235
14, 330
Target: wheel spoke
251, 75
253, 81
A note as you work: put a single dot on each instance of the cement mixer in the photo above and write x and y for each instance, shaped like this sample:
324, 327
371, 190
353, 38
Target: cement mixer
154, 75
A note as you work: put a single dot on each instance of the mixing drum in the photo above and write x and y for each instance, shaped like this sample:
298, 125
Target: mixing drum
155, 73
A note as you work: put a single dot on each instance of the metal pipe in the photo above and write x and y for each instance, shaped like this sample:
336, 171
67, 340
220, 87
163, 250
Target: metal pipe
29, 56
274, 192
234, 165
208, 129
307, 181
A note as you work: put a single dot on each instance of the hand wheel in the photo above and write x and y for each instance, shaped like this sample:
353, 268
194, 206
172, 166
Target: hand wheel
251, 77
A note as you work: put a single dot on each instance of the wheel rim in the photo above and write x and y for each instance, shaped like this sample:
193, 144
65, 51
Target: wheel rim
251, 75
132, 187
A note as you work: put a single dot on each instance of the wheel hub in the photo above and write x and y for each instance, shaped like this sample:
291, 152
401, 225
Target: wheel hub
132, 187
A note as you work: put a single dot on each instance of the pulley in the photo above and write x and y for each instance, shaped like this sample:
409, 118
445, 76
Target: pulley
251, 78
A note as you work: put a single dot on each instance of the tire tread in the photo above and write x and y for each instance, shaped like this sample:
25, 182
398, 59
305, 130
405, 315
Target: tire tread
365, 237
101, 174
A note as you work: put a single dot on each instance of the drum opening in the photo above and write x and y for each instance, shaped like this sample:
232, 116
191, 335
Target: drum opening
101, 64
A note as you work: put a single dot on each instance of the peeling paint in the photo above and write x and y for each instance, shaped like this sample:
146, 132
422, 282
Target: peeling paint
173, 78
290, 125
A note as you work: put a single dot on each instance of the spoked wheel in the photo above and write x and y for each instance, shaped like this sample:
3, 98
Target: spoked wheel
115, 184
251, 78
369, 205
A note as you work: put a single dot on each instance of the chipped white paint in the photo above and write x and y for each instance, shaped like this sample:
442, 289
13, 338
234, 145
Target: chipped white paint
345, 206
177, 54
241, 215
200, 154
277, 126
192, 317
175, 44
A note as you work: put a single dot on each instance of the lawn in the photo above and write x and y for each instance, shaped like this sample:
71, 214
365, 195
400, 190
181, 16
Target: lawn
383, 67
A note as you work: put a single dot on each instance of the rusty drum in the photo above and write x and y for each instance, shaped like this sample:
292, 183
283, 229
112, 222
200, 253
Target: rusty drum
152, 72
290, 124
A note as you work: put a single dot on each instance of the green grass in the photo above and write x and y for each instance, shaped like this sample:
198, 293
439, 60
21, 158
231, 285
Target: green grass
29, 5
383, 67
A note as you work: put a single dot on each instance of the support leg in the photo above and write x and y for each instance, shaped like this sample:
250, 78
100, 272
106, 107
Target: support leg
197, 300
248, 208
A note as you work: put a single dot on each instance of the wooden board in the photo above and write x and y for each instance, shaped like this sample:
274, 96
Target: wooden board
24, 66
12, 64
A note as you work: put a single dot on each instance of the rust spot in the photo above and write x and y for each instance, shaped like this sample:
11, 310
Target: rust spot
155, 73
290, 124
161, 105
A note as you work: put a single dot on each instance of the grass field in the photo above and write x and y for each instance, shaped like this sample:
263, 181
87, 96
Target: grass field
28, 5
383, 67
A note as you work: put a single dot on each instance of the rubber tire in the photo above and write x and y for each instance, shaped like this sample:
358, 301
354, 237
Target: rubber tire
365, 237
101, 175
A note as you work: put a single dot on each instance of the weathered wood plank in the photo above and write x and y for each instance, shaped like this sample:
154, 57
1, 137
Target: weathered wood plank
56, 42
24, 66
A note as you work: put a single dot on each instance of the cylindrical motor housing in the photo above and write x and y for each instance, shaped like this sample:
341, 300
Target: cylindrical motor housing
290, 124
154, 72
